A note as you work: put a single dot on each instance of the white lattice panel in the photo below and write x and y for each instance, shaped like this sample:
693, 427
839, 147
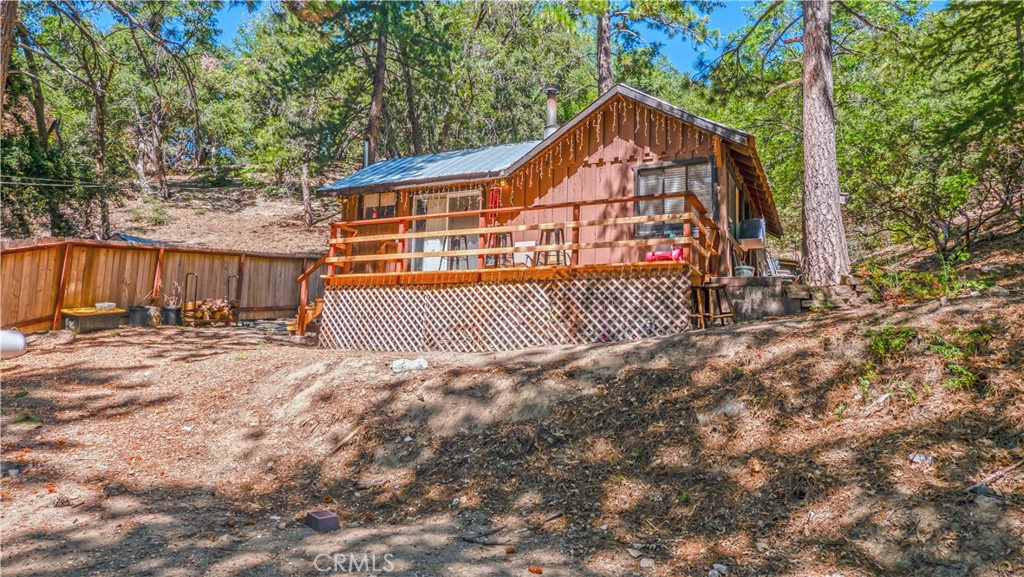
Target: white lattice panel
506, 315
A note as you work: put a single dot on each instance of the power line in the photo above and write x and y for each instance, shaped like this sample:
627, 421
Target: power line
57, 185
62, 181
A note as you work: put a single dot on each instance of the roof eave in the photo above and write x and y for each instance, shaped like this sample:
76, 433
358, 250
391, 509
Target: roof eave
404, 184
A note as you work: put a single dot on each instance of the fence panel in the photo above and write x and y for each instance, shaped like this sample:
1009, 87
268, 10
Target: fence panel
31, 279
29, 289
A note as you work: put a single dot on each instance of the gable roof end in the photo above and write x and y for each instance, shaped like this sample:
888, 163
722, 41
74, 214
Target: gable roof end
742, 144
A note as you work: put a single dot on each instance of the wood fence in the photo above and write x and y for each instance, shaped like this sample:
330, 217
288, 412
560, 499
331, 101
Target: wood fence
36, 281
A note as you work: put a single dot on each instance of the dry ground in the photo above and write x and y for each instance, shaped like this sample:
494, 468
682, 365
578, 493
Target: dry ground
755, 446
228, 218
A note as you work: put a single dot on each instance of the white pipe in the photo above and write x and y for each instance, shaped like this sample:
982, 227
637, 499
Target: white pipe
12, 344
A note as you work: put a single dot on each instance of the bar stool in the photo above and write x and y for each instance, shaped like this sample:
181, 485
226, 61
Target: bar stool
499, 240
708, 301
548, 237
457, 242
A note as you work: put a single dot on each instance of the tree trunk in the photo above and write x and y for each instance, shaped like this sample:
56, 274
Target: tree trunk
8, 16
604, 53
410, 106
100, 100
38, 102
377, 99
307, 203
156, 151
825, 251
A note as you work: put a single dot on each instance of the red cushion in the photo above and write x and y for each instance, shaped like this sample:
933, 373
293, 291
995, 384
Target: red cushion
665, 255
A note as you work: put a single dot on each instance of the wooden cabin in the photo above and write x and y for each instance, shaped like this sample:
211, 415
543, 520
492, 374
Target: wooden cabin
596, 232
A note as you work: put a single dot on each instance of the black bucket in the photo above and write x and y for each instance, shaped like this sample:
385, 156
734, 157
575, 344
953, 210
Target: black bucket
138, 317
171, 316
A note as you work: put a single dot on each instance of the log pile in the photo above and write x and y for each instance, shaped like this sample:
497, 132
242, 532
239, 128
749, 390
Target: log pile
211, 310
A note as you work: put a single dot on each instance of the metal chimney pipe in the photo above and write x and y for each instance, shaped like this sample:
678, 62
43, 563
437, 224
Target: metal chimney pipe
366, 153
552, 91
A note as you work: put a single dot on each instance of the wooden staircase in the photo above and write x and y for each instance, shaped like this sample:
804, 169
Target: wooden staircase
306, 315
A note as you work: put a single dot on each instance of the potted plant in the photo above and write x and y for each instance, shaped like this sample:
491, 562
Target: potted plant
170, 313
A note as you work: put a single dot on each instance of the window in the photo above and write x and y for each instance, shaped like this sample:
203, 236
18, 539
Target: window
695, 178
379, 205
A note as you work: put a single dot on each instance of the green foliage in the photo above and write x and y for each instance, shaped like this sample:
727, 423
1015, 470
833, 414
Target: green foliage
24, 418
840, 410
150, 211
900, 286
958, 351
891, 343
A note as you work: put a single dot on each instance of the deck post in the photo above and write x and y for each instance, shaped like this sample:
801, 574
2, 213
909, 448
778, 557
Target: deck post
400, 265
332, 249
722, 218
300, 320
688, 232
481, 242
574, 256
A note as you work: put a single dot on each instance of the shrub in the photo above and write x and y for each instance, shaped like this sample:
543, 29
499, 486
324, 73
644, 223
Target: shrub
903, 286
957, 352
150, 211
890, 343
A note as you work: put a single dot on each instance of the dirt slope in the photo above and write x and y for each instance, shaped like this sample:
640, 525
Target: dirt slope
227, 218
787, 447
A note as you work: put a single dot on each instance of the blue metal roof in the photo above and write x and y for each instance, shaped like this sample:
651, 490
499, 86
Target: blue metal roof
471, 164
139, 240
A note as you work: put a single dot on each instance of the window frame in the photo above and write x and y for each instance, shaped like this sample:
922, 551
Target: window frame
383, 210
640, 170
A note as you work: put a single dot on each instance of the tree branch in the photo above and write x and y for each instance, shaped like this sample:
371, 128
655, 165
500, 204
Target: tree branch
785, 84
736, 49
60, 65
862, 17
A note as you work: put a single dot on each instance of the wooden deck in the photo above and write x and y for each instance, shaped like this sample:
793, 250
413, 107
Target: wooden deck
484, 298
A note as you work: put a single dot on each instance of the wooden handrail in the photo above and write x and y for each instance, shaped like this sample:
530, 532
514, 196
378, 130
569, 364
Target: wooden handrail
309, 271
697, 206
680, 217
521, 249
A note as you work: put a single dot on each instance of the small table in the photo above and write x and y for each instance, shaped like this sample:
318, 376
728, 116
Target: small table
88, 319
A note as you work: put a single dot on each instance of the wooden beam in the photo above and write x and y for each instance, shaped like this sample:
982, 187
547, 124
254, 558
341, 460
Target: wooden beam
63, 288
489, 275
724, 254
35, 321
156, 278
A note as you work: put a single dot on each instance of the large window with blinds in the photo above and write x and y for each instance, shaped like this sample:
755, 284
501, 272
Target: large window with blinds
694, 177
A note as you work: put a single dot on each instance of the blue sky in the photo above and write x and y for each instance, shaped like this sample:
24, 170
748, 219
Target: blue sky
681, 53
727, 19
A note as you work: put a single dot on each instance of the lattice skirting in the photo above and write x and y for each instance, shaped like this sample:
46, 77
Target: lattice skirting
507, 315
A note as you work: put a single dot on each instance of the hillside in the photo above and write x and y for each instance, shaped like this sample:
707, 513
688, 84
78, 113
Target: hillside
230, 217
835, 443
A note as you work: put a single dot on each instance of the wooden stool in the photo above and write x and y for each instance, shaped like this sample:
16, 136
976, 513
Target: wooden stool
698, 297
499, 240
548, 237
718, 295
708, 301
459, 242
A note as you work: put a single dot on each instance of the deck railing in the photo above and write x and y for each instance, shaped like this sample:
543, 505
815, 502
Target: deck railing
695, 242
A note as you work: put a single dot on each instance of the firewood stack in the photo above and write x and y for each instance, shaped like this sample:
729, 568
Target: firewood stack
212, 310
